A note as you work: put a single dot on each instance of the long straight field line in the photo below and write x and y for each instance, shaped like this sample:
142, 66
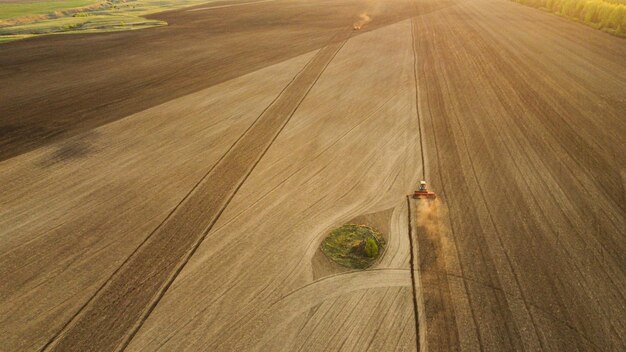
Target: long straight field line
417, 97
408, 199
112, 317
412, 258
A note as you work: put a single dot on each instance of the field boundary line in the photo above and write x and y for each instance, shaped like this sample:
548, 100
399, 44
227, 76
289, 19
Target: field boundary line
417, 97
412, 267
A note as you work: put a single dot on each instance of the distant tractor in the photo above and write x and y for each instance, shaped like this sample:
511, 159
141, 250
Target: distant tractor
423, 193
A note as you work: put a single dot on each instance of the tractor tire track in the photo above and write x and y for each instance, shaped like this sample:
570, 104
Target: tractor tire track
412, 258
112, 317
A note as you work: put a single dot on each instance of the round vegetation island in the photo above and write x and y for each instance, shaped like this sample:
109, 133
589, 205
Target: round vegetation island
353, 246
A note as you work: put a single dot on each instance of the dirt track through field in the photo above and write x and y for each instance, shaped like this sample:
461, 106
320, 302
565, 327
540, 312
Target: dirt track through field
135, 288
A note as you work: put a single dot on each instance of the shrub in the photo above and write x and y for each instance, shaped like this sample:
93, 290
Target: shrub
353, 246
371, 248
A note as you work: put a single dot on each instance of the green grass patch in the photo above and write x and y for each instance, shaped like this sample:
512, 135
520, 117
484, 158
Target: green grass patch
27, 19
67, 25
606, 15
353, 246
10, 38
29, 8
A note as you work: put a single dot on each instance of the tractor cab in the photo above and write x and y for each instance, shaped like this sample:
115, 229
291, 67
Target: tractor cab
423, 192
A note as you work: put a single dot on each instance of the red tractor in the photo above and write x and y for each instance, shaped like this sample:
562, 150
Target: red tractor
423, 193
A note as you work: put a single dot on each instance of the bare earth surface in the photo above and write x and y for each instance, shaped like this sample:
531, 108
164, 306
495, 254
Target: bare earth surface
168, 189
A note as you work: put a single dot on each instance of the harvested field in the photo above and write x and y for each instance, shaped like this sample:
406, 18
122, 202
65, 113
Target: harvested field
168, 189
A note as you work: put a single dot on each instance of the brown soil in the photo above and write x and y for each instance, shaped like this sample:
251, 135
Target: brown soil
57, 86
521, 119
